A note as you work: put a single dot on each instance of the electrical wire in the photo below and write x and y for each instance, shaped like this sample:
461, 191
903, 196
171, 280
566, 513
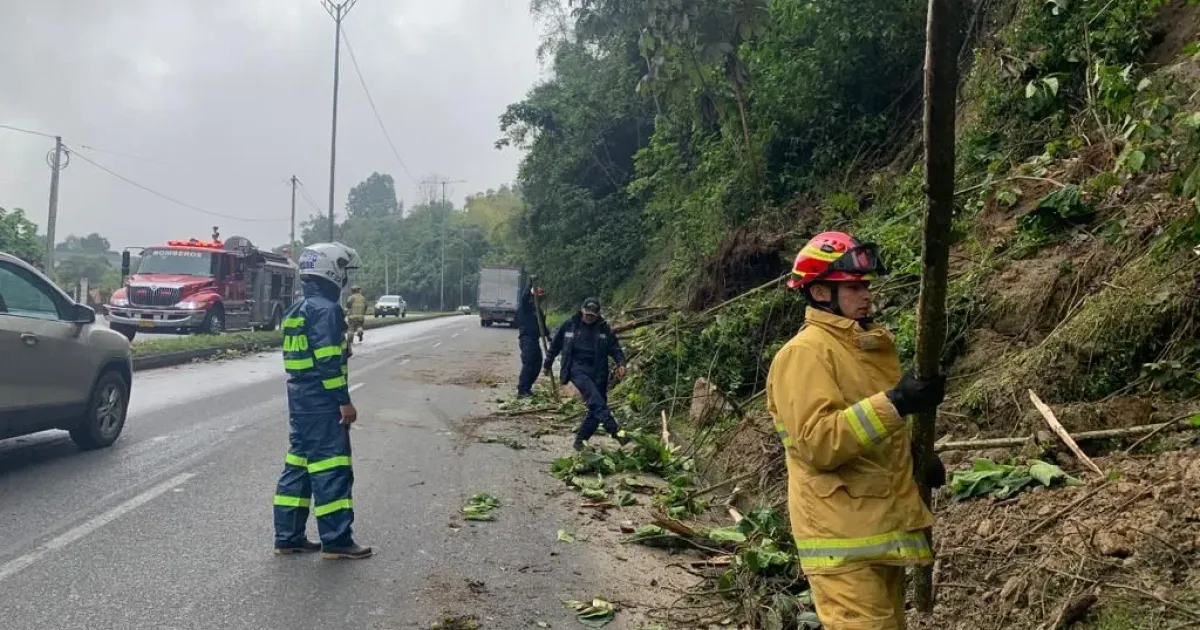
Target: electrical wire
378, 118
307, 199
169, 198
28, 131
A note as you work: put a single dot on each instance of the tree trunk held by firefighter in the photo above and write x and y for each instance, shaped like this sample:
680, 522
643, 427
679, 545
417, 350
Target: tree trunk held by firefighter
941, 88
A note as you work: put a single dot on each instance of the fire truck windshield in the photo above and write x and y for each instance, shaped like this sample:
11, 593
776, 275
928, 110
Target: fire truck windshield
184, 262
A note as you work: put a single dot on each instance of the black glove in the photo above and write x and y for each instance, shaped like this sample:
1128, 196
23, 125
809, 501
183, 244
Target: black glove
934, 475
913, 395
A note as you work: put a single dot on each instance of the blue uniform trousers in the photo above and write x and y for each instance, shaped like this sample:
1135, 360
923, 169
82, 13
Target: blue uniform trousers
531, 364
317, 475
596, 398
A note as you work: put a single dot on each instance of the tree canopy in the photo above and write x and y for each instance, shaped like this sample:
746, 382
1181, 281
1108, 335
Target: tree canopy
19, 237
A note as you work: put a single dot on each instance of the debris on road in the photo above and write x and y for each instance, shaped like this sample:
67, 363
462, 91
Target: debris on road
480, 507
565, 536
505, 440
1002, 481
456, 622
595, 614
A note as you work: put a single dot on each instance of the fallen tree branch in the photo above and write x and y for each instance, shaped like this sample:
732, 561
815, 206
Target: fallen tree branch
1103, 434
1059, 430
527, 412
745, 295
638, 323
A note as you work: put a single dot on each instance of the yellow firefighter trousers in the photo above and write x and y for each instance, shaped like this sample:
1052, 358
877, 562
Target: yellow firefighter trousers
869, 598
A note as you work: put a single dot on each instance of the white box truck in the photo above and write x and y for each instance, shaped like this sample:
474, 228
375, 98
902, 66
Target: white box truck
499, 294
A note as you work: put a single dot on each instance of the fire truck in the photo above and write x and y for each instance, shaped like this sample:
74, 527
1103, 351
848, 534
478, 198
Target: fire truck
204, 287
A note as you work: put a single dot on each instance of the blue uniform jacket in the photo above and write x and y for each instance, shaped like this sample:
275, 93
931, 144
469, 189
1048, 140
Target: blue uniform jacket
314, 355
606, 345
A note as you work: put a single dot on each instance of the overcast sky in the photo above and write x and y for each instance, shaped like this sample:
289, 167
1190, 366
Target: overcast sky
223, 100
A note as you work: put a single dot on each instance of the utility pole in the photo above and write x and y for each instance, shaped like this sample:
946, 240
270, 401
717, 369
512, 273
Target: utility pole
55, 159
337, 11
292, 237
387, 284
445, 217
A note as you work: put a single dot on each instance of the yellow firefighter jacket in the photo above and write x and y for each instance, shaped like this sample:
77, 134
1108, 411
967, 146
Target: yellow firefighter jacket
356, 306
851, 495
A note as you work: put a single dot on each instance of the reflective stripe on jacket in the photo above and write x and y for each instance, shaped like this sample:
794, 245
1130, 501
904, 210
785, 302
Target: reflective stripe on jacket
851, 495
314, 332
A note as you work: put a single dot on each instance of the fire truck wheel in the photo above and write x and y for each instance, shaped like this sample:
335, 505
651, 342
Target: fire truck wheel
214, 322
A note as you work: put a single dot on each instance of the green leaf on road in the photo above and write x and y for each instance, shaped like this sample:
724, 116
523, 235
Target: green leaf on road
727, 534
564, 536
480, 507
1195, 421
595, 614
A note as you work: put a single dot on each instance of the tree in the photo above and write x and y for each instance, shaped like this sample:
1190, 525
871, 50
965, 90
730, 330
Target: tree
82, 257
373, 198
19, 237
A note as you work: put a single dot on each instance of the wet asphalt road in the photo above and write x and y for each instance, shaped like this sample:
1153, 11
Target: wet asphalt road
171, 527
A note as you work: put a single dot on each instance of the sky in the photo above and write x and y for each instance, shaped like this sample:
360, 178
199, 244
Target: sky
217, 103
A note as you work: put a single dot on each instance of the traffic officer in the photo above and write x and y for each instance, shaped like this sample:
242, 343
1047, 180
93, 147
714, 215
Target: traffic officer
317, 471
356, 310
531, 327
839, 405
586, 342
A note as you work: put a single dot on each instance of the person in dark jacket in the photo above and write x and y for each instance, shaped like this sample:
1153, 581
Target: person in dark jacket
531, 326
586, 342
316, 471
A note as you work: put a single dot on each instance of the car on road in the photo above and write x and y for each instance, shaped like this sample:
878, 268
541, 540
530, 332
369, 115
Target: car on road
59, 368
393, 305
464, 309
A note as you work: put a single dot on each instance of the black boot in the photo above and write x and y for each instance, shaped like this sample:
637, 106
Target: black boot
578, 445
352, 552
307, 546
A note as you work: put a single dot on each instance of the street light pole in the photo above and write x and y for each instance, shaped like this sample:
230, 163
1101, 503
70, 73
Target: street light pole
445, 217
337, 11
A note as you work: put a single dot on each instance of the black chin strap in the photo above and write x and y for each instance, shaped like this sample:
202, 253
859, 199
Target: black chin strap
832, 305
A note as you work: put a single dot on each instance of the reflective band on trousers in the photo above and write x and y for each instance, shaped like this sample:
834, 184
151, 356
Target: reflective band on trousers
865, 423
295, 460
334, 383
825, 553
298, 364
326, 464
330, 508
296, 502
327, 351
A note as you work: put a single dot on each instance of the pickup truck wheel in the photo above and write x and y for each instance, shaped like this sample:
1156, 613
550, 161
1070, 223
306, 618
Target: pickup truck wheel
214, 322
129, 331
105, 413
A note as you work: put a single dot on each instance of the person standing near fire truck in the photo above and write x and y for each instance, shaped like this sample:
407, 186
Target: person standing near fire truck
317, 471
356, 310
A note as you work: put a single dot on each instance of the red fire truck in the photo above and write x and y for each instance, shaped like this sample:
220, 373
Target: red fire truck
203, 287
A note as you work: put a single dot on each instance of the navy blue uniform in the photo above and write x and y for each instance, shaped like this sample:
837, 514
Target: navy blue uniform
317, 472
530, 323
585, 350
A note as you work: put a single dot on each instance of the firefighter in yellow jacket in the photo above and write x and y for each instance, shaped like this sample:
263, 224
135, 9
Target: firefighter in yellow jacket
839, 403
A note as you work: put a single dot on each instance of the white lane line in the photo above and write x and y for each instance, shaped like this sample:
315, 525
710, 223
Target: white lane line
405, 362
13, 567
356, 386
454, 335
437, 344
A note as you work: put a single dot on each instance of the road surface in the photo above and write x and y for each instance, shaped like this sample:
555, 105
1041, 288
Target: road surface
170, 529
143, 337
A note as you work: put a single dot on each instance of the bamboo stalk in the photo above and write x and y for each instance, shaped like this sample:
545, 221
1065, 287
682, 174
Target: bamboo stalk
1061, 432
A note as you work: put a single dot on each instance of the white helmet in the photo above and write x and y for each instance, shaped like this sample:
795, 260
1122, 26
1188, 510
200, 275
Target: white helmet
328, 261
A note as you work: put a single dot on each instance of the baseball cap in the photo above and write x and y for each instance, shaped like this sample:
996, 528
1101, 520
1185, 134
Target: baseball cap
591, 305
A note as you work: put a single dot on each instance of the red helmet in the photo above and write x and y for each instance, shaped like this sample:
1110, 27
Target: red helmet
835, 257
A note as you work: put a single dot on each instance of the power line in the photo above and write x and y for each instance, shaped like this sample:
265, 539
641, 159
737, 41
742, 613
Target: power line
28, 131
307, 199
169, 198
386, 135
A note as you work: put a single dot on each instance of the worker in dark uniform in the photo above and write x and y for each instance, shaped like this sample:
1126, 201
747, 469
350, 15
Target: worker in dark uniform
317, 471
531, 326
586, 342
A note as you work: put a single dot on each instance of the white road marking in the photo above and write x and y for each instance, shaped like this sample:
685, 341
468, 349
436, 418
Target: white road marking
437, 344
454, 335
13, 567
404, 362
356, 386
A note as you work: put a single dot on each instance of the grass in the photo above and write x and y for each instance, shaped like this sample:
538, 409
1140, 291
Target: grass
245, 341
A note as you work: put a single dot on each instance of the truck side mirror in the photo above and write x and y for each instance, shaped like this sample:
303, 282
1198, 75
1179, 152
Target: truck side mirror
124, 263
